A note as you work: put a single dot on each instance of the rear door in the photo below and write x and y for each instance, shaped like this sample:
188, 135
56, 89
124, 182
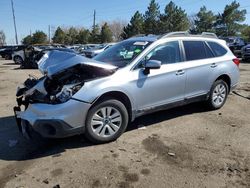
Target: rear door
200, 67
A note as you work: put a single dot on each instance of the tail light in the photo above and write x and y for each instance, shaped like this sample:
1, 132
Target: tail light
236, 61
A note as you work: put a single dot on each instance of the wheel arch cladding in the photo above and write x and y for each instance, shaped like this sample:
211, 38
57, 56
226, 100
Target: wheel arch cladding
120, 96
226, 79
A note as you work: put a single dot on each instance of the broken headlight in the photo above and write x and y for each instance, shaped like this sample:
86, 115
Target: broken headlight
66, 93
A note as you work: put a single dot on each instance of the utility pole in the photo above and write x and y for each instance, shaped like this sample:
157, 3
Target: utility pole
49, 34
94, 20
14, 20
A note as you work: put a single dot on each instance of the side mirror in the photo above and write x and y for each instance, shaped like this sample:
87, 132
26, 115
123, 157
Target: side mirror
151, 64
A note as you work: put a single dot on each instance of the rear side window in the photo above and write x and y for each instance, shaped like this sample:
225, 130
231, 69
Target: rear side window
196, 50
217, 49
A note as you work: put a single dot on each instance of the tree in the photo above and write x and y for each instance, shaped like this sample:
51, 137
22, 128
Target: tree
2, 38
39, 37
95, 34
27, 40
59, 36
135, 26
204, 21
106, 34
245, 33
72, 35
83, 36
116, 27
151, 18
173, 19
228, 23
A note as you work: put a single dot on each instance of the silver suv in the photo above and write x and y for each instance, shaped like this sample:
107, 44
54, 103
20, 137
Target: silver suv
100, 96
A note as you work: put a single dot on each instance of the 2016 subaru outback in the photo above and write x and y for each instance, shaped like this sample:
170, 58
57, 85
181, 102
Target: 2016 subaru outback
100, 96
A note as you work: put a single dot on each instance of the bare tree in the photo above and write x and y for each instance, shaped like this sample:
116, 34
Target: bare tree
116, 27
2, 38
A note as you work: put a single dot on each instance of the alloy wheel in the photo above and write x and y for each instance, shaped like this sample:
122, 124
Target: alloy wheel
106, 121
219, 94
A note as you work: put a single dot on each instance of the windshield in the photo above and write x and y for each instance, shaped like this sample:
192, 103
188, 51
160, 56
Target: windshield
122, 53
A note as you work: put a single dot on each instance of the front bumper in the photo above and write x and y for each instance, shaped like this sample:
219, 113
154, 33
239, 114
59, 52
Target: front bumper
53, 121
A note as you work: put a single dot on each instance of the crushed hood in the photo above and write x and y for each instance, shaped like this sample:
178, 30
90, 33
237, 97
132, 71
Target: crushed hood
56, 61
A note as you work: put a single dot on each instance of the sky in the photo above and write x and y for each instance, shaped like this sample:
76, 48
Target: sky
32, 15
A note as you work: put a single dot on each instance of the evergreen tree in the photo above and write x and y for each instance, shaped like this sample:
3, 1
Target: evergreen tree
173, 19
134, 27
151, 18
228, 23
59, 36
95, 34
27, 40
106, 34
83, 36
39, 37
204, 21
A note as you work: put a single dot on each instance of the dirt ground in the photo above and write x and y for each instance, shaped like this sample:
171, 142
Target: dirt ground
182, 147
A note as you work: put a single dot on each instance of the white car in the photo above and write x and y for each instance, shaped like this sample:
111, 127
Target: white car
18, 56
97, 50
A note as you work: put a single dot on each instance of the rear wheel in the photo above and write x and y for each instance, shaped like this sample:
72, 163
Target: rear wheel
106, 121
218, 94
7, 57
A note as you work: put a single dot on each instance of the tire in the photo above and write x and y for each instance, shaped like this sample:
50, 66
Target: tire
101, 127
218, 95
7, 57
18, 60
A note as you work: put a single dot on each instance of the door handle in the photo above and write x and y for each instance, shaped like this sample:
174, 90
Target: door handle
180, 72
213, 65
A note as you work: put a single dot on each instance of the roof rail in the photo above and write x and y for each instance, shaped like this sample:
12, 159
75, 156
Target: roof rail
143, 35
186, 33
175, 34
208, 34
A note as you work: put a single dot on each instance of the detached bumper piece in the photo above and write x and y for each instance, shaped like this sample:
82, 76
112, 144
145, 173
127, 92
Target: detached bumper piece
23, 126
18, 120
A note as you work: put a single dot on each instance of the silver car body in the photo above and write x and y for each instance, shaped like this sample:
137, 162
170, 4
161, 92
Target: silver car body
165, 87
96, 50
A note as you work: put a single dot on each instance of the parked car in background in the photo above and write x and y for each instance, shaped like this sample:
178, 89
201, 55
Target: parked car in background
4, 46
235, 44
44, 51
246, 53
141, 75
8, 50
18, 54
92, 52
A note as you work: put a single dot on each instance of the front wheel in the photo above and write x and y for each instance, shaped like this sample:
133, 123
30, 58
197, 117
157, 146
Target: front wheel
218, 95
106, 121
18, 60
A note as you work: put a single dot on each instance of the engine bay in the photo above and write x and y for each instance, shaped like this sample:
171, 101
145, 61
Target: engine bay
59, 87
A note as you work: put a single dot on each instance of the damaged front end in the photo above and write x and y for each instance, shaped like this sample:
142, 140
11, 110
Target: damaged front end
49, 98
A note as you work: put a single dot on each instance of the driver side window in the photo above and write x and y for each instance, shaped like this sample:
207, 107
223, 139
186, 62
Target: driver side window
167, 53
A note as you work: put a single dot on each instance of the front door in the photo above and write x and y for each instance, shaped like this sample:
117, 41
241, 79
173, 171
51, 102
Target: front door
160, 86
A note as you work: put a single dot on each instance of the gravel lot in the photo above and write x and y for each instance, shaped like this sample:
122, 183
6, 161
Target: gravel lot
182, 147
